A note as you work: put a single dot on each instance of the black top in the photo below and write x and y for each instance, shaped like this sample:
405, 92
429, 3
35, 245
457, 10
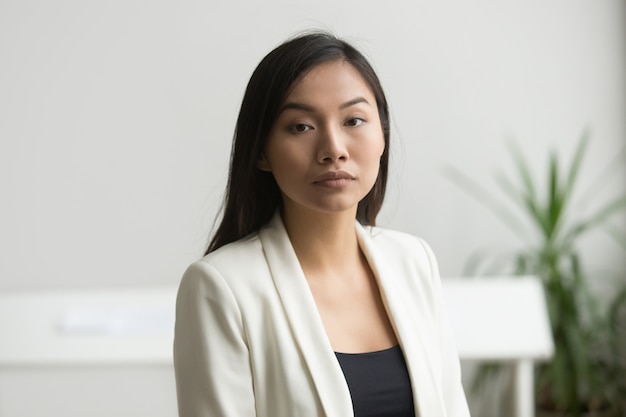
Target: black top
379, 383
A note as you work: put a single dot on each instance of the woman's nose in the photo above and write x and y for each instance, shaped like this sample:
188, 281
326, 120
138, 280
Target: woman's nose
332, 146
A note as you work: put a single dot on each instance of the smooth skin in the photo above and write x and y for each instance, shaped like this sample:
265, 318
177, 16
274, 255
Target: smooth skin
324, 152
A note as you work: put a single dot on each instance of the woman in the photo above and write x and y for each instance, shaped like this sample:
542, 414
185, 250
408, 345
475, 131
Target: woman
301, 307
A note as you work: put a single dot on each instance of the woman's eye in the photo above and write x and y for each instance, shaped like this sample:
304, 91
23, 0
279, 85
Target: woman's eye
299, 128
355, 121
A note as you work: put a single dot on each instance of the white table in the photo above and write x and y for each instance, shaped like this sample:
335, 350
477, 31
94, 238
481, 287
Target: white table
495, 319
104, 326
95, 353
502, 319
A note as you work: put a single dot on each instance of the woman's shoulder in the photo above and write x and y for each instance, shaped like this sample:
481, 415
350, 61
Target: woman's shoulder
395, 239
400, 247
233, 260
243, 247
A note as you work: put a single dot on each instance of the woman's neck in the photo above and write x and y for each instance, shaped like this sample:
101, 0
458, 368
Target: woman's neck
322, 241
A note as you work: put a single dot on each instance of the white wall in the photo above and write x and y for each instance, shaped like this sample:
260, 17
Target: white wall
116, 117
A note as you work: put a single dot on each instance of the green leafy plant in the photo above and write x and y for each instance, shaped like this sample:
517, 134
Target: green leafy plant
587, 371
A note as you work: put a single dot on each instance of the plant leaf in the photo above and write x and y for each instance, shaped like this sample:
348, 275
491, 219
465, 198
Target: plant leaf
522, 168
603, 214
615, 233
482, 196
608, 172
575, 166
554, 199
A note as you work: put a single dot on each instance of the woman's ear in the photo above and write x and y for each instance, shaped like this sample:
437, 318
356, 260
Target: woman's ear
263, 164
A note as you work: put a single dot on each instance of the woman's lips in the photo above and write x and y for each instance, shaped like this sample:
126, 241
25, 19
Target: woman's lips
334, 179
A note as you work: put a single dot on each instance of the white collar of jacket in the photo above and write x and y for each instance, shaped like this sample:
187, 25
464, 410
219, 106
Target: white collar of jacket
313, 342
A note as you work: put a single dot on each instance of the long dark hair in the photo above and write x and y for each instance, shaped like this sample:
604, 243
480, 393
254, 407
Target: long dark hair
252, 196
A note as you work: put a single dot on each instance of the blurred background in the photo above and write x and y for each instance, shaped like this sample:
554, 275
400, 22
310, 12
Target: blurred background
116, 119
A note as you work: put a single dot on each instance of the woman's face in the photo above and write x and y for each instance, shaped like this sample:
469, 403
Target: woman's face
324, 148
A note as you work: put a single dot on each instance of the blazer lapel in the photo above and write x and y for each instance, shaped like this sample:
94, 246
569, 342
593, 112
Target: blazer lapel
308, 330
306, 324
408, 323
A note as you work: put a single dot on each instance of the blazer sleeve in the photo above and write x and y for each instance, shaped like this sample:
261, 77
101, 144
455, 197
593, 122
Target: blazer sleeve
211, 359
453, 392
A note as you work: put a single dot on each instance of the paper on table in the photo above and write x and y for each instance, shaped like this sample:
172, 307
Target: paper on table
118, 321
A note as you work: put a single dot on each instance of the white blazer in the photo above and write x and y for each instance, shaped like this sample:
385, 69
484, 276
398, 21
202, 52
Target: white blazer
249, 340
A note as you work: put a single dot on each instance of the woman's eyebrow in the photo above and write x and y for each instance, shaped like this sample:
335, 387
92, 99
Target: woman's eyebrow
311, 109
297, 106
354, 101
